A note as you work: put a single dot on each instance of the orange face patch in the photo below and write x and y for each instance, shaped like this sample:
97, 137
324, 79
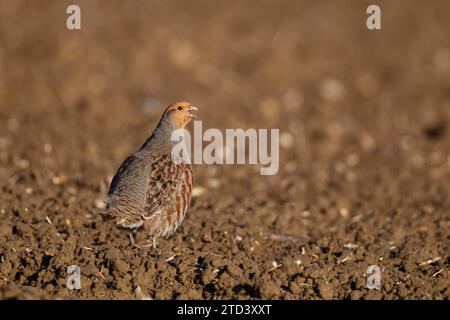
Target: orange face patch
180, 113
181, 118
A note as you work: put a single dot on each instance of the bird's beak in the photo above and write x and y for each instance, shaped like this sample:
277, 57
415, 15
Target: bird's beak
192, 108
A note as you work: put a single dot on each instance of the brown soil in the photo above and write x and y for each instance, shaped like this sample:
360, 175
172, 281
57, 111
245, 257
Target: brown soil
365, 179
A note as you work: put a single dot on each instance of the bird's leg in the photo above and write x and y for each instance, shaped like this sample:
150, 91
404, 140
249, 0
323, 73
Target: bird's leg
142, 245
133, 243
139, 245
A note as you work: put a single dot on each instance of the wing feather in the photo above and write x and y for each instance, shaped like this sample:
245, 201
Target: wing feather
162, 185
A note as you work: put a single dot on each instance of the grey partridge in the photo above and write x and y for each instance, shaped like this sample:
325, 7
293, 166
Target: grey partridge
150, 190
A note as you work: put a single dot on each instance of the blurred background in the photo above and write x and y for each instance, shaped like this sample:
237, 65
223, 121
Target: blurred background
363, 118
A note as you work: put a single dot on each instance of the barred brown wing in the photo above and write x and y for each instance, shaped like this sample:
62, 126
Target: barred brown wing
162, 185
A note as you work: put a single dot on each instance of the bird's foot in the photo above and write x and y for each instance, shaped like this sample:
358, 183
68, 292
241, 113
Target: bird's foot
145, 244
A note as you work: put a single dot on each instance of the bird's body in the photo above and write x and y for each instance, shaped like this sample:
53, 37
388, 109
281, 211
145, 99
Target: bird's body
150, 189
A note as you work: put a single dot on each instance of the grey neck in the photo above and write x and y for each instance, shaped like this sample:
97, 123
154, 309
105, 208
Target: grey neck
160, 140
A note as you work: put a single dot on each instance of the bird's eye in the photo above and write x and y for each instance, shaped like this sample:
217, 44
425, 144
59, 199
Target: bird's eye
180, 108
